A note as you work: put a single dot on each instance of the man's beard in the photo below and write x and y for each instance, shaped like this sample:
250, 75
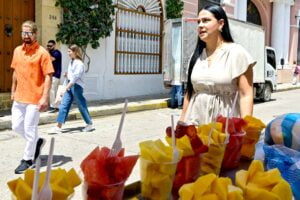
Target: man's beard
27, 41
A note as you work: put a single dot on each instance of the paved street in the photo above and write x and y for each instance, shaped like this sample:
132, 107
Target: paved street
72, 146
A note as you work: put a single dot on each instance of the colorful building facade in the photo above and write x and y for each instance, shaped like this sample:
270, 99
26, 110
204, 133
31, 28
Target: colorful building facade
279, 18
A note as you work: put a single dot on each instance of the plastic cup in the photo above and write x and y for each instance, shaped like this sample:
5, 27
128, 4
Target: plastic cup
187, 171
105, 192
157, 179
211, 161
233, 151
249, 142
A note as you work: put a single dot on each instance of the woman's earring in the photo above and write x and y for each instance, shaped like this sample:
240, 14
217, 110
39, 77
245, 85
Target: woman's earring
220, 29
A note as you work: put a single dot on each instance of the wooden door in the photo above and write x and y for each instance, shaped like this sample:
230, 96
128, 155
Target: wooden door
12, 14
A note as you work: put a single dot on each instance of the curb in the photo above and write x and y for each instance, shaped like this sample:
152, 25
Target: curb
95, 111
292, 87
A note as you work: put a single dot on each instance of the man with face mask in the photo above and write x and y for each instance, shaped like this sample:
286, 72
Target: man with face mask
30, 87
56, 61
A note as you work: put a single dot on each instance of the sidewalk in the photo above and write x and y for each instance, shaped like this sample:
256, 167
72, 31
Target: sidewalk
111, 107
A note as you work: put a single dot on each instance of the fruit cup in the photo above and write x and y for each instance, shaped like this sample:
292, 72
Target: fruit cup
249, 142
105, 192
157, 179
188, 170
211, 161
233, 151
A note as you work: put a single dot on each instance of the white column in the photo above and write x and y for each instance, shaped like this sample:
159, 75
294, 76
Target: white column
286, 31
278, 29
241, 10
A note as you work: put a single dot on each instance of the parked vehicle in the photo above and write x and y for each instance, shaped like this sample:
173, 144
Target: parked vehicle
250, 36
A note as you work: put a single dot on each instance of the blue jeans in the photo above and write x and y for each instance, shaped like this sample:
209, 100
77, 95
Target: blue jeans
176, 96
75, 92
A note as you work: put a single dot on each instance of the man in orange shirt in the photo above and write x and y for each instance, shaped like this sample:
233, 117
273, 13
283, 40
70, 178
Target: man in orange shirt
30, 87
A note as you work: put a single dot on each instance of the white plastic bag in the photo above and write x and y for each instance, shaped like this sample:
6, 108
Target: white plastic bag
60, 89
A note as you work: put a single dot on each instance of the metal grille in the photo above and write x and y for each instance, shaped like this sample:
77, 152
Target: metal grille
138, 42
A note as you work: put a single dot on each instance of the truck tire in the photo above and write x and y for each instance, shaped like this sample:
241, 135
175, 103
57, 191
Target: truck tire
267, 92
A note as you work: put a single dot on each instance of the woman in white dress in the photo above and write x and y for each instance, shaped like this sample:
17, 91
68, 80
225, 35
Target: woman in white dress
218, 69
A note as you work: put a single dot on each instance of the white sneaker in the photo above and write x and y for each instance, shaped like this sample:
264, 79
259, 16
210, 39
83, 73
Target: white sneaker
55, 130
88, 128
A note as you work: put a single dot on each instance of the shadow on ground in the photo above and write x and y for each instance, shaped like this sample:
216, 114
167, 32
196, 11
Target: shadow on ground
58, 160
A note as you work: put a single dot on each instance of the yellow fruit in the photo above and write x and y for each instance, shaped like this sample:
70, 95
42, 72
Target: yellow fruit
183, 144
283, 190
234, 193
23, 190
255, 193
219, 188
73, 178
268, 178
202, 184
255, 166
59, 193
241, 179
12, 185
29, 176
209, 197
186, 191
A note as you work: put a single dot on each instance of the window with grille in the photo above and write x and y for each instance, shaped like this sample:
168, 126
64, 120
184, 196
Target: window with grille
138, 47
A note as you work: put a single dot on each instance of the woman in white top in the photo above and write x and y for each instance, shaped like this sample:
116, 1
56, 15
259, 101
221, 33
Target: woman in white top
218, 69
74, 90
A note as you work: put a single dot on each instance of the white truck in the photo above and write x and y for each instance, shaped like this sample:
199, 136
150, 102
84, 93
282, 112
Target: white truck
250, 36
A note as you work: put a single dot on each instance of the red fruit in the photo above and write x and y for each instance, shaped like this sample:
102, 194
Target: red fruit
93, 155
121, 153
189, 130
235, 124
169, 131
233, 152
92, 173
187, 171
103, 154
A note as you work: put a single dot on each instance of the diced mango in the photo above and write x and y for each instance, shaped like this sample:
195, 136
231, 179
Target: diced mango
219, 188
241, 178
282, 190
255, 166
258, 184
73, 178
202, 184
59, 192
23, 190
12, 185
186, 191
29, 177
210, 197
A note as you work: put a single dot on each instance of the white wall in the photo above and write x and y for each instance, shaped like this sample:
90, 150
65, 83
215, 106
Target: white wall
102, 83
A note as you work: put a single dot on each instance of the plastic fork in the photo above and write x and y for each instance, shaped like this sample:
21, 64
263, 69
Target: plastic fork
117, 145
175, 150
226, 127
35, 189
46, 191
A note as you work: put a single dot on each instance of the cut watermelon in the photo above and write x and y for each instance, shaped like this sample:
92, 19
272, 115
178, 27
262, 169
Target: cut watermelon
235, 124
105, 175
93, 155
187, 171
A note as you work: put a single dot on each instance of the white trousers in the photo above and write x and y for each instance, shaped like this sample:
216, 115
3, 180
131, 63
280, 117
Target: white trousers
53, 91
25, 119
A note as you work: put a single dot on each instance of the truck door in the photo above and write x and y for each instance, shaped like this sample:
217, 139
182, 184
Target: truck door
271, 71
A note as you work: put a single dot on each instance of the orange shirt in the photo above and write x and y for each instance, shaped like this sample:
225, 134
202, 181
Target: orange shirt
31, 65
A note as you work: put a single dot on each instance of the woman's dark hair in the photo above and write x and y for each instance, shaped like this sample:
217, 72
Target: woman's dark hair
219, 13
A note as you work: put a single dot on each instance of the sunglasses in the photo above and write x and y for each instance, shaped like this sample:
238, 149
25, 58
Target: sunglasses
27, 33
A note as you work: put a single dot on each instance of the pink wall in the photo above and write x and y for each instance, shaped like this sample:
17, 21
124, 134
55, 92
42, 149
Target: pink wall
265, 10
190, 8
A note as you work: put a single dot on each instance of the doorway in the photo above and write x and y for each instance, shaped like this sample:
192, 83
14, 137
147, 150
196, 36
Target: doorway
12, 14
